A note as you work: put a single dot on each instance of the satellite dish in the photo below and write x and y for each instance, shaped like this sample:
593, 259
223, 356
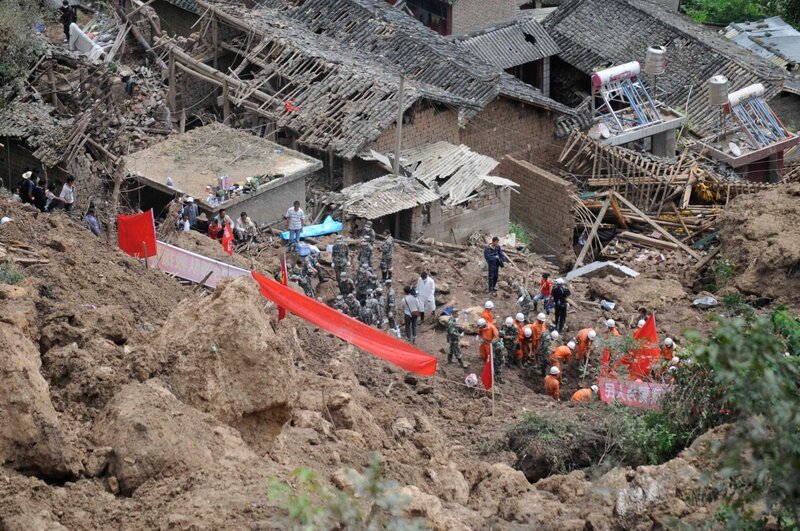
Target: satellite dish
594, 132
736, 150
604, 132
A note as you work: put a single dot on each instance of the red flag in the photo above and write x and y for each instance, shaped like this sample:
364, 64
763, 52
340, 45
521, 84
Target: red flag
290, 107
355, 332
285, 282
137, 234
487, 374
227, 239
642, 358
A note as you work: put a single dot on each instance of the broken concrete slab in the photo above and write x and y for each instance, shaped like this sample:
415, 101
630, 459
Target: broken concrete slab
598, 268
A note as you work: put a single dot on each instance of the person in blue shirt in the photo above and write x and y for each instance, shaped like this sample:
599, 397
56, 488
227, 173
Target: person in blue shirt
495, 259
91, 222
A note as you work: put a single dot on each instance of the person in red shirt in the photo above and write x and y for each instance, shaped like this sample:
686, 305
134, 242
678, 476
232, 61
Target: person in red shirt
214, 230
545, 289
551, 384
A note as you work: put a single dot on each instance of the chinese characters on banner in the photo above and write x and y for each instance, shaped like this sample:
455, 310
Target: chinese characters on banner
636, 394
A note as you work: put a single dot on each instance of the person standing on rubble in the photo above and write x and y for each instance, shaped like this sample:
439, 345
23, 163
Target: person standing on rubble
545, 291
365, 253
391, 306
411, 314
368, 233
552, 386
67, 15
487, 333
509, 334
495, 259
298, 275
341, 257
296, 218
67, 195
190, 209
353, 306
223, 219
560, 295
426, 293
346, 286
387, 252
454, 334
91, 222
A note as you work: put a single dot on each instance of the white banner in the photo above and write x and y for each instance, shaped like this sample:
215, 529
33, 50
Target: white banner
192, 266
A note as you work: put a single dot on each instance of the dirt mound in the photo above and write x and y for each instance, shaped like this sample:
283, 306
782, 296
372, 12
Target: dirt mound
31, 439
760, 236
151, 434
226, 357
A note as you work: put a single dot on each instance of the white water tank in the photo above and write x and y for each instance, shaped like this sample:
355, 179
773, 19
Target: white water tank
718, 91
615, 73
655, 62
738, 97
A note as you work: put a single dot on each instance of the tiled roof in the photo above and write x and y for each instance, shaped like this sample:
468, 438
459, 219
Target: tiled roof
383, 196
510, 43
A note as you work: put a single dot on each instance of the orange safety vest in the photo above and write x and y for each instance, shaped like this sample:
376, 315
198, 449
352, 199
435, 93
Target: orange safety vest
487, 335
487, 316
582, 395
584, 344
551, 386
667, 353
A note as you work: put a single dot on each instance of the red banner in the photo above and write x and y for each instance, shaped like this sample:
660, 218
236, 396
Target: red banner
285, 282
641, 358
227, 239
355, 332
636, 394
137, 234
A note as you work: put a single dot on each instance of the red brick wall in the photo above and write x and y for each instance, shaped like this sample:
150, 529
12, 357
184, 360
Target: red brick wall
507, 127
543, 206
470, 13
421, 127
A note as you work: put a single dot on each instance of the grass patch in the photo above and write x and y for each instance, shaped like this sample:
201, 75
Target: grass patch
522, 235
9, 274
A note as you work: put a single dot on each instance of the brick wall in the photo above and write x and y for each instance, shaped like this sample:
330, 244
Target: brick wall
543, 207
471, 13
359, 171
507, 127
489, 212
420, 127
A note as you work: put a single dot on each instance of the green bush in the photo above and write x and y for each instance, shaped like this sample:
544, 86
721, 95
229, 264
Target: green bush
375, 503
19, 45
724, 11
9, 274
522, 235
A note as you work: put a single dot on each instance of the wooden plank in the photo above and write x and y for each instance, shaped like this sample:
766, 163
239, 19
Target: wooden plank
648, 241
617, 212
592, 234
658, 227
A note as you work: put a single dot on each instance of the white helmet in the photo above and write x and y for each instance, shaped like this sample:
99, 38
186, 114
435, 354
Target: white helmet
527, 332
591, 335
489, 305
481, 322
594, 388
541, 317
641, 323
554, 370
668, 342
509, 321
554, 335
571, 345
560, 281
611, 323
675, 360
520, 317
673, 368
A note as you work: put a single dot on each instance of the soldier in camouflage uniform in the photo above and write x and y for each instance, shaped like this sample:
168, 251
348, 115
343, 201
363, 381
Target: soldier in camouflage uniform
372, 304
453, 335
372, 281
391, 305
543, 354
346, 286
524, 299
365, 253
387, 252
498, 357
381, 308
339, 304
509, 333
368, 232
298, 275
353, 307
365, 314
341, 257
362, 282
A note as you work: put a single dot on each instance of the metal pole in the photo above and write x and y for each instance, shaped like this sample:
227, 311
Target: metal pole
399, 139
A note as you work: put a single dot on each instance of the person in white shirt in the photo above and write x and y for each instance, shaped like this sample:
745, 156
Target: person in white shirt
296, 218
223, 219
67, 195
184, 225
426, 291
245, 228
411, 313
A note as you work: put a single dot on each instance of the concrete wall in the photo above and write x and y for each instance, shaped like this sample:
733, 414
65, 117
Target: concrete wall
489, 213
543, 207
470, 13
270, 205
507, 126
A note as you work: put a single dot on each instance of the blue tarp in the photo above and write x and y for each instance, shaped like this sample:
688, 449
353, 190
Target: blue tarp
329, 226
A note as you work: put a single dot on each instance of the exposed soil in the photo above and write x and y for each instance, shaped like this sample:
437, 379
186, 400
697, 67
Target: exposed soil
149, 405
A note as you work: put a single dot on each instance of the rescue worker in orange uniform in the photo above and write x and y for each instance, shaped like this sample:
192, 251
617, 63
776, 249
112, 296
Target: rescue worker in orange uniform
486, 314
611, 328
551, 384
562, 355
668, 350
585, 340
584, 395
486, 334
526, 345
539, 327
520, 322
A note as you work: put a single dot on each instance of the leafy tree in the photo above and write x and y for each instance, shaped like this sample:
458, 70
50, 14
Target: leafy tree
724, 11
20, 46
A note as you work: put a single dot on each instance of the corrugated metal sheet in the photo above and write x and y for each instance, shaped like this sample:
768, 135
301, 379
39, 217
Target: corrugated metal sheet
456, 170
771, 38
383, 196
509, 43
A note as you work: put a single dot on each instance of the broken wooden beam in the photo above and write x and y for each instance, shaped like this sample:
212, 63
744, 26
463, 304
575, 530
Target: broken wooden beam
647, 241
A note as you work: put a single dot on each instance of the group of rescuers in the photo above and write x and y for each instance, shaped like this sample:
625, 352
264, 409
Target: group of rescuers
537, 347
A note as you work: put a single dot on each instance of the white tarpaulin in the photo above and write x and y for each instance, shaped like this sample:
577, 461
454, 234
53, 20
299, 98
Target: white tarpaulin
80, 42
